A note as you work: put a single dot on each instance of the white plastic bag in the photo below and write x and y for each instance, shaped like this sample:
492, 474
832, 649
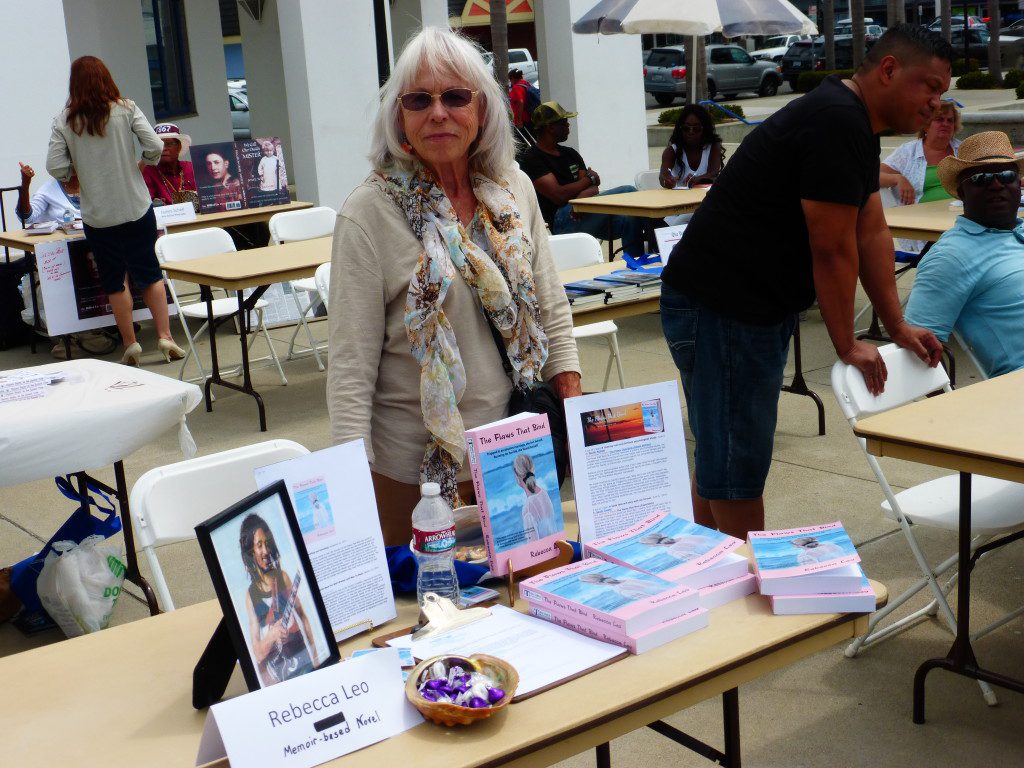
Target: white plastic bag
80, 583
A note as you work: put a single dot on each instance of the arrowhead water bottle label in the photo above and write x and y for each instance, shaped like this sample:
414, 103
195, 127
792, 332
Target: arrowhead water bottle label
433, 542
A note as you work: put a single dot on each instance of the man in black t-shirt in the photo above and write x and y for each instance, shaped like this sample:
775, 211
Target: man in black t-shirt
795, 213
560, 175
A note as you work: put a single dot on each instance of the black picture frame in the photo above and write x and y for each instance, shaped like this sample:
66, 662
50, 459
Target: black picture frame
280, 545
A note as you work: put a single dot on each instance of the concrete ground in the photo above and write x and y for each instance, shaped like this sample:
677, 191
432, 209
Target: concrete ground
826, 709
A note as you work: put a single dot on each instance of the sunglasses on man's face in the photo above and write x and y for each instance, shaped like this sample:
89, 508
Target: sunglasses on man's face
1005, 178
453, 98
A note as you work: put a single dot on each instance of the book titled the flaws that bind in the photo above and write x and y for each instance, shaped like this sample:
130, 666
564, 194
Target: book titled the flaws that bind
674, 549
613, 596
512, 463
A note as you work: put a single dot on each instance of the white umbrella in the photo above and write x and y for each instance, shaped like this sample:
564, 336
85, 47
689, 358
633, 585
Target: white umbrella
694, 18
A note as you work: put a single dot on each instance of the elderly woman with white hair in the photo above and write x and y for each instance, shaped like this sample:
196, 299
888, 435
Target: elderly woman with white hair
441, 280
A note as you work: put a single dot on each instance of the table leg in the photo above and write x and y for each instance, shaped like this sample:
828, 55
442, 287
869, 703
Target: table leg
961, 659
244, 307
799, 386
730, 758
120, 492
603, 755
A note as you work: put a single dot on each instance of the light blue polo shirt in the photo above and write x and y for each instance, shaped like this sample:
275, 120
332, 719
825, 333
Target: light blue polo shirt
973, 280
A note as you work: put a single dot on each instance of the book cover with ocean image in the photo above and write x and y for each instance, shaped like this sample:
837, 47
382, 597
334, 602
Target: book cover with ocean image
617, 595
512, 462
801, 551
665, 545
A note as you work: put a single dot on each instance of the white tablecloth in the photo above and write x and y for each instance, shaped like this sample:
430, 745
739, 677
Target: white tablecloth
101, 413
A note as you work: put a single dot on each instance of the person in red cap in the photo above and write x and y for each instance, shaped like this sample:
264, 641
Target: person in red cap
171, 180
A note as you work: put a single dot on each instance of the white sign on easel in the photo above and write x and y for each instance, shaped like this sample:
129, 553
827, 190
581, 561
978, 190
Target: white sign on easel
312, 718
667, 237
628, 454
332, 494
69, 284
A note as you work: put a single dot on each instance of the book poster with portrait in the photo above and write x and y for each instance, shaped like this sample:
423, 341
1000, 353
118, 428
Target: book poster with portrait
73, 298
267, 588
232, 175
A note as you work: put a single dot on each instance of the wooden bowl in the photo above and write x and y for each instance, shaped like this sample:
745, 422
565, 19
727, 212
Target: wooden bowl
503, 674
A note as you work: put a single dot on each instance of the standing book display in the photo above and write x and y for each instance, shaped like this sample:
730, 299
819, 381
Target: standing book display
512, 462
275, 623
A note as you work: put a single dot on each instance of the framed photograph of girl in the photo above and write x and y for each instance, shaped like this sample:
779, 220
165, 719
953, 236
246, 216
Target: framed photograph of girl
267, 589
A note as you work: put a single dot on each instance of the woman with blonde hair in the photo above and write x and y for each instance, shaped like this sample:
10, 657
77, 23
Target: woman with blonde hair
95, 137
441, 277
538, 514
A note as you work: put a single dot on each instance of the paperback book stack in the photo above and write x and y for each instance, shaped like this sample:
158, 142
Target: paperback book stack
811, 570
682, 552
610, 293
645, 282
615, 604
584, 297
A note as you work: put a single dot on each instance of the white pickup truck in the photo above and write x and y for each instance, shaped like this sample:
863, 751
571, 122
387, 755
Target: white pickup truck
518, 58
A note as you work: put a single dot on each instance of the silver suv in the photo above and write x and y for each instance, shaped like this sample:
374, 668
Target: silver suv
730, 70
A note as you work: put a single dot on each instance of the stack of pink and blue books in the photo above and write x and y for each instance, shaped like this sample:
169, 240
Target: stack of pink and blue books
682, 552
815, 569
615, 604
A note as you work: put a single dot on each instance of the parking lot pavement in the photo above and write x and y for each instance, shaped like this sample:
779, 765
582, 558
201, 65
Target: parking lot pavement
759, 108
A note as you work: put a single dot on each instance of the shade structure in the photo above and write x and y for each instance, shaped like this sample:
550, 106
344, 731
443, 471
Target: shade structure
694, 18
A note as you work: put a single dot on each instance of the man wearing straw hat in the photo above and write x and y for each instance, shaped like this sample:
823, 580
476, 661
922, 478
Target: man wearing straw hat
972, 279
795, 214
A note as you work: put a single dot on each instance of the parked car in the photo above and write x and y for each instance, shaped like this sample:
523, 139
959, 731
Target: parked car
871, 31
239, 106
775, 47
956, 21
1014, 29
1011, 49
730, 70
809, 56
518, 58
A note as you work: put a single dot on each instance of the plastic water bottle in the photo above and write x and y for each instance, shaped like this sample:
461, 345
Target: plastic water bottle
68, 221
433, 539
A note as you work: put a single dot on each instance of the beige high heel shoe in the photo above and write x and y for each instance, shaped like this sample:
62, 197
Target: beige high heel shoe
170, 350
132, 354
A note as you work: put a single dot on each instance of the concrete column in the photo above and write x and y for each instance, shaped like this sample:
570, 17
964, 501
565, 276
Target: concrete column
212, 121
34, 42
264, 78
409, 16
601, 77
330, 72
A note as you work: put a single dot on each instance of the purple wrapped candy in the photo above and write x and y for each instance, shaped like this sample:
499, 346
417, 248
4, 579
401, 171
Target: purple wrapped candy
494, 695
428, 694
477, 703
434, 685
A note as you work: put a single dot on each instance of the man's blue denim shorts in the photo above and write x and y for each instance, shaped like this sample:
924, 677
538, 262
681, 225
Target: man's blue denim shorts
732, 373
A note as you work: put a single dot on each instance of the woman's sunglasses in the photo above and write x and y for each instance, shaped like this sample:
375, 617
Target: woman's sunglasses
453, 98
1005, 178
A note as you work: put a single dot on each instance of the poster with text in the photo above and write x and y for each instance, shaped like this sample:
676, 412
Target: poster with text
232, 175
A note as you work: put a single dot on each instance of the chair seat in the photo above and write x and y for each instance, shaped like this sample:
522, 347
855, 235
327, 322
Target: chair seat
603, 328
307, 284
996, 505
221, 308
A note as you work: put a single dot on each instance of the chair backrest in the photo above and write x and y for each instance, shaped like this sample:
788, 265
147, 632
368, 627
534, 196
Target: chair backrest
322, 278
908, 379
167, 502
575, 250
649, 179
970, 353
179, 246
302, 225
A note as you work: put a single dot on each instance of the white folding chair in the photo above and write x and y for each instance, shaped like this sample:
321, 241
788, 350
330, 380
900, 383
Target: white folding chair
210, 241
322, 278
168, 502
582, 250
650, 179
997, 506
303, 225
970, 353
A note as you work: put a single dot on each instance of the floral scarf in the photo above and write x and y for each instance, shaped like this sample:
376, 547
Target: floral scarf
504, 285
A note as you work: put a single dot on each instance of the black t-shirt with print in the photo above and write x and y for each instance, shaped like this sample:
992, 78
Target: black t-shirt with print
746, 252
566, 166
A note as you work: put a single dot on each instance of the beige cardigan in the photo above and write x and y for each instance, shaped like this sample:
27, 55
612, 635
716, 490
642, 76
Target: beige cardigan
373, 380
